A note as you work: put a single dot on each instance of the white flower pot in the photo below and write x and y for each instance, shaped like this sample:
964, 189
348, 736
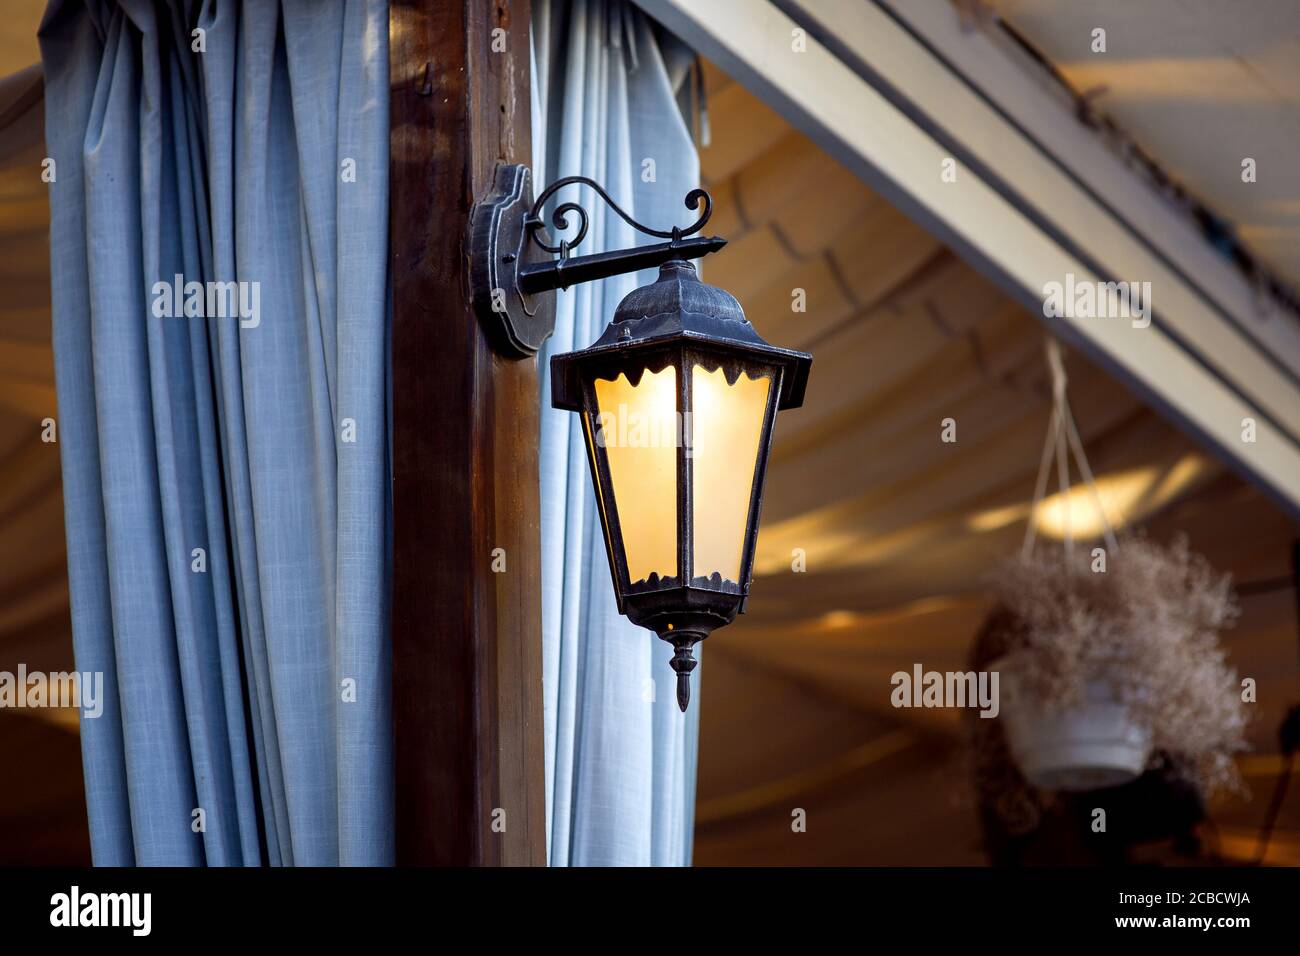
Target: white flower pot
1087, 747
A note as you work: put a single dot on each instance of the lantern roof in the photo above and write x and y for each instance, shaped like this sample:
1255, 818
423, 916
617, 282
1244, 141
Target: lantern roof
679, 309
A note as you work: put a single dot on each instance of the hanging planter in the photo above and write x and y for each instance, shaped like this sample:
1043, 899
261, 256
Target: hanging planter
1094, 744
1108, 659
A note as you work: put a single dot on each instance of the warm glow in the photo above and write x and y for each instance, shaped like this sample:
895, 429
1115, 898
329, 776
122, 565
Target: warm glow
1128, 496
600, 492
726, 428
861, 532
1076, 509
835, 620
1125, 495
638, 428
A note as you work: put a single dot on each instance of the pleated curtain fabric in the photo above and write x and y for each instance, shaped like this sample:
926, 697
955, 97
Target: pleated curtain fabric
226, 473
620, 756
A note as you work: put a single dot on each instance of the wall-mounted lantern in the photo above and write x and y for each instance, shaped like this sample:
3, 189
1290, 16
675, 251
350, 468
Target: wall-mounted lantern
678, 400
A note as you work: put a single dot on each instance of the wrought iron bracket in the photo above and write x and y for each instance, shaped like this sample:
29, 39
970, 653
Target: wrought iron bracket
515, 268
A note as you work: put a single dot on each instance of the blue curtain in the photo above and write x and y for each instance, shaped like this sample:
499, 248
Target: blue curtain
225, 471
620, 756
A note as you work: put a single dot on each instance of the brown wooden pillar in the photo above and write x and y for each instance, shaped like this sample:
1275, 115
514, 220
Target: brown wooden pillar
467, 682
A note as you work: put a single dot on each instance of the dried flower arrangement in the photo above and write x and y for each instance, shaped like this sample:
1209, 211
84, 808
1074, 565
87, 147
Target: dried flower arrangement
1148, 627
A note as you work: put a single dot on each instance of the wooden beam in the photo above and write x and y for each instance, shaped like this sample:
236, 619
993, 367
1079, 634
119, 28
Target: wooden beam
466, 641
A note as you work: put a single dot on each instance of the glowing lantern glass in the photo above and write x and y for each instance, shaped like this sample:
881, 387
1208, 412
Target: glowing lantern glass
678, 399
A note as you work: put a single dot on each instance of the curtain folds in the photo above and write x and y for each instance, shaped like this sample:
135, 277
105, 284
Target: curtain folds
620, 756
225, 447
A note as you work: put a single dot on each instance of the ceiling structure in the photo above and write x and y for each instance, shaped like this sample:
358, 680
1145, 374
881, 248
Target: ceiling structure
899, 529
1175, 69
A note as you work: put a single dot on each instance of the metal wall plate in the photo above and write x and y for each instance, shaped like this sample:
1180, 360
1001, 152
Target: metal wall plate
499, 247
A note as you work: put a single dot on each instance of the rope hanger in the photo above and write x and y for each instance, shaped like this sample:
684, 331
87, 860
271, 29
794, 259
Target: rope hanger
1062, 440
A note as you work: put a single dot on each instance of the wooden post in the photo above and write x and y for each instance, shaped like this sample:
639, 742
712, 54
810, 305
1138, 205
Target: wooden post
467, 682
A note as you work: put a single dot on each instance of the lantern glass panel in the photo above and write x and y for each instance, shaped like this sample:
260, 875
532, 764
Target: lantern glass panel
638, 431
726, 432
600, 491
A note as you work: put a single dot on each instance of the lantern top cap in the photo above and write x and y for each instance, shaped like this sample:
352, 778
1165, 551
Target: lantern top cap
678, 308
678, 290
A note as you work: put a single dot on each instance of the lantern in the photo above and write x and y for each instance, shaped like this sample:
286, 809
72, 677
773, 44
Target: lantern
678, 400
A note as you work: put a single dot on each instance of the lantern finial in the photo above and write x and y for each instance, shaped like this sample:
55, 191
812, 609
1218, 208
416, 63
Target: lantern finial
683, 663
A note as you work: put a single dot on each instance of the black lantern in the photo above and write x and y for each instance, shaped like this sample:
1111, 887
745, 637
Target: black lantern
678, 400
